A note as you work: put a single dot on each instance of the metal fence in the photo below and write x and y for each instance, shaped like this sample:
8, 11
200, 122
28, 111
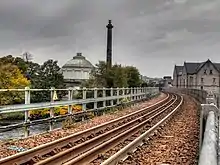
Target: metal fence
97, 98
198, 94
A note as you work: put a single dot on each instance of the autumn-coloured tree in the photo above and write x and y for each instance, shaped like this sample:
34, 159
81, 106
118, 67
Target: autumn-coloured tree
11, 78
19, 62
42, 76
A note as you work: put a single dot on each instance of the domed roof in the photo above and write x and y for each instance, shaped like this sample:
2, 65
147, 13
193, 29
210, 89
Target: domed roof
78, 61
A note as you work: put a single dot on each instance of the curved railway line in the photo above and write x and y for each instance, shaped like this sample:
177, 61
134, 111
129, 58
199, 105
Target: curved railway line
108, 143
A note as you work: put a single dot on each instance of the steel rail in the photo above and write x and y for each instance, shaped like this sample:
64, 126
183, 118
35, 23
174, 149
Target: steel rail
92, 153
131, 147
72, 152
48, 147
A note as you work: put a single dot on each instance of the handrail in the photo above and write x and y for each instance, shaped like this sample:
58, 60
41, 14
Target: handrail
208, 154
133, 95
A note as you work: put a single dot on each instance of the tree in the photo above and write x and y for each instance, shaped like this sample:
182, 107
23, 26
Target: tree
117, 76
27, 57
44, 77
98, 76
19, 62
41, 76
101, 77
133, 76
51, 73
11, 78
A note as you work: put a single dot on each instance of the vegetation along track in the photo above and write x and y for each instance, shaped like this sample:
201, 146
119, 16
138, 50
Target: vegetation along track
86, 145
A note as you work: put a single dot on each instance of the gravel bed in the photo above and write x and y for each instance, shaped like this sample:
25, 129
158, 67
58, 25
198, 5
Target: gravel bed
176, 143
40, 139
132, 137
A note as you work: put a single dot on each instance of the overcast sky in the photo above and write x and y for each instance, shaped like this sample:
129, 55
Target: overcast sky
152, 35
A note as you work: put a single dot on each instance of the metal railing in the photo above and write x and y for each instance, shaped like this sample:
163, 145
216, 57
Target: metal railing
109, 97
198, 94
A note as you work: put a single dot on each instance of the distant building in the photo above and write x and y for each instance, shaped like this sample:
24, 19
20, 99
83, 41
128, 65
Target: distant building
76, 70
167, 81
145, 78
203, 75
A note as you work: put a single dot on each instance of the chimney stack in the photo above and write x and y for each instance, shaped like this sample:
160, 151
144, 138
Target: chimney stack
109, 45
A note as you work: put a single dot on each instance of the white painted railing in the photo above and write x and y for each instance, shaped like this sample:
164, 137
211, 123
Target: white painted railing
109, 97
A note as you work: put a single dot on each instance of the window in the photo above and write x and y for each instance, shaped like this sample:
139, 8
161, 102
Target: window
210, 71
214, 80
205, 71
202, 80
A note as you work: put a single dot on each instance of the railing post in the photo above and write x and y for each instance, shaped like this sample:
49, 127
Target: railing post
142, 91
136, 92
124, 99
123, 92
84, 104
51, 109
70, 97
145, 92
111, 91
151, 91
139, 97
104, 95
27, 114
118, 101
131, 94
127, 92
95, 97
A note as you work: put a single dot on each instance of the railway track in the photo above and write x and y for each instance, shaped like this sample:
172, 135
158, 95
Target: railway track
86, 146
125, 151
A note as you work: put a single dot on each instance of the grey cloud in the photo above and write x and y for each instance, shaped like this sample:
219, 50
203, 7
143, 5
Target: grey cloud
147, 34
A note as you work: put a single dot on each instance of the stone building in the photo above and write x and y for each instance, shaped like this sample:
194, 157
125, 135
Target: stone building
167, 81
203, 75
76, 70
